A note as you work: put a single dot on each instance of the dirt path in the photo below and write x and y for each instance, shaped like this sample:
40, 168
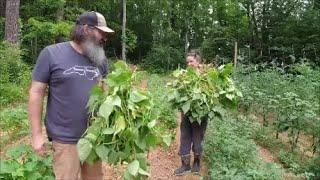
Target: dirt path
267, 157
164, 161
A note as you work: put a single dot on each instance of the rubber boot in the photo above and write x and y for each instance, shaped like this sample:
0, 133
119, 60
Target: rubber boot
185, 167
196, 164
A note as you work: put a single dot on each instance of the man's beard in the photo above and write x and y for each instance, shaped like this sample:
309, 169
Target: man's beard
94, 51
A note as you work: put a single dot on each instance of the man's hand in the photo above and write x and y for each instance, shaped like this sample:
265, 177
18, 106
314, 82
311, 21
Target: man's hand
38, 144
102, 84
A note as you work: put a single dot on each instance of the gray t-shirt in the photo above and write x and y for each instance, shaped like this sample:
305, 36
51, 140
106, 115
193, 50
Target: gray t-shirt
70, 77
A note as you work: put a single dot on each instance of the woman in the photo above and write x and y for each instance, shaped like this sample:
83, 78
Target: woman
191, 133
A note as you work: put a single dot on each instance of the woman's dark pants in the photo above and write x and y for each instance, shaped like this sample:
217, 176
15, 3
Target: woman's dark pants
192, 134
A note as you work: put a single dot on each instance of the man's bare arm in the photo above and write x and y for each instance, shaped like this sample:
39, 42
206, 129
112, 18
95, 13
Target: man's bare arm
36, 97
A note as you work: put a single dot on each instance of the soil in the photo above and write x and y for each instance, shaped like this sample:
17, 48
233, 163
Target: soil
266, 156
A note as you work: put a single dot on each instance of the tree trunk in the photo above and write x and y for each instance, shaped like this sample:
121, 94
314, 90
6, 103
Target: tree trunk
124, 30
235, 54
186, 43
59, 15
2, 8
12, 21
264, 28
257, 42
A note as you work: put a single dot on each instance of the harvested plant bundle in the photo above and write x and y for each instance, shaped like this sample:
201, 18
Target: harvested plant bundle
122, 125
206, 91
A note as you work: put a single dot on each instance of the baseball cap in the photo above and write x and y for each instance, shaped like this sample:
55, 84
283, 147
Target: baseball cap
95, 19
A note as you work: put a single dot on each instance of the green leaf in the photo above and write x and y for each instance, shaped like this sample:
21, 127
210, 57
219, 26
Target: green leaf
91, 137
116, 101
108, 131
171, 96
133, 167
213, 76
141, 143
183, 99
96, 90
136, 96
120, 65
102, 151
120, 124
151, 140
84, 148
226, 70
127, 176
143, 172
113, 157
152, 124
186, 107
120, 76
92, 158
95, 98
230, 96
167, 139
106, 108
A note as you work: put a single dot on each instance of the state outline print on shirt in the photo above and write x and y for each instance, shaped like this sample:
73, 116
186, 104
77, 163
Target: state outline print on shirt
89, 72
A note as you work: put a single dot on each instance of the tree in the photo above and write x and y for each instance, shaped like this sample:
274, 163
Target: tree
12, 21
2, 8
124, 29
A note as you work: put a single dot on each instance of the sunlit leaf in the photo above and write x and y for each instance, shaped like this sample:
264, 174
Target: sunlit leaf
84, 148
133, 167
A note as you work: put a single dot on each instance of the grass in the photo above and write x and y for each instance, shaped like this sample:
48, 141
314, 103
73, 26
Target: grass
158, 90
14, 123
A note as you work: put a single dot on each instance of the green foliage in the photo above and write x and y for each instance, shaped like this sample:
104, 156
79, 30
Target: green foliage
218, 45
232, 154
11, 93
11, 67
2, 24
158, 90
314, 166
123, 126
163, 59
14, 123
22, 164
289, 161
43, 9
263, 135
71, 12
131, 40
308, 168
292, 99
38, 34
279, 32
207, 92
287, 102
15, 75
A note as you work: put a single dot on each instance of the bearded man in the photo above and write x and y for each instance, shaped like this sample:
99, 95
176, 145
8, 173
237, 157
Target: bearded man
69, 70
